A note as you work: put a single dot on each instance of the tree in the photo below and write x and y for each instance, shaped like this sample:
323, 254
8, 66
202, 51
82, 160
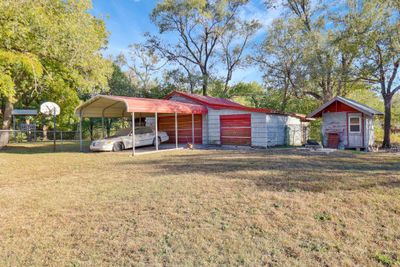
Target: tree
199, 26
378, 33
144, 63
233, 48
324, 64
120, 84
281, 58
49, 49
186, 80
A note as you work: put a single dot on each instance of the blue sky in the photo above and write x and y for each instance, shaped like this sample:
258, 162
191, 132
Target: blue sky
128, 20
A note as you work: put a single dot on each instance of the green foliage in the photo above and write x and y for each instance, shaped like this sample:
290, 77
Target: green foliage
18, 71
199, 27
386, 260
322, 216
120, 84
50, 50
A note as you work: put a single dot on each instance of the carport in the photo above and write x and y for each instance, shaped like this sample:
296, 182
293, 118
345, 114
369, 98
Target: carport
104, 106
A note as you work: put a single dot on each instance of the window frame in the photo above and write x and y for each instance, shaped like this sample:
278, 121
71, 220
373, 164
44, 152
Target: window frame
353, 124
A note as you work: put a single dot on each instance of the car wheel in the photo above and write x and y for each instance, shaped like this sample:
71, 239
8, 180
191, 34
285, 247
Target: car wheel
154, 141
118, 147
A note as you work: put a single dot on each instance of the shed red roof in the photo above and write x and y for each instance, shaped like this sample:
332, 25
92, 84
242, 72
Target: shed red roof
220, 103
342, 104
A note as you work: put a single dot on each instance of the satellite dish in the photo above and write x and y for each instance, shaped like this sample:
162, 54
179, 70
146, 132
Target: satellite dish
50, 108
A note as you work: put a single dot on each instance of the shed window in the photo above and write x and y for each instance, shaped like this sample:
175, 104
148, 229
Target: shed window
354, 124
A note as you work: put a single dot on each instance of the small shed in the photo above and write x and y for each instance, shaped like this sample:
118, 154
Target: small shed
346, 123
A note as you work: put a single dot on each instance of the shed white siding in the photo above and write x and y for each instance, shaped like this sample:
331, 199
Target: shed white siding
295, 131
276, 129
334, 122
369, 131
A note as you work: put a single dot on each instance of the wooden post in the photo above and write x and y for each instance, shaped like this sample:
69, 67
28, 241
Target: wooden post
156, 122
80, 133
133, 135
176, 130
193, 129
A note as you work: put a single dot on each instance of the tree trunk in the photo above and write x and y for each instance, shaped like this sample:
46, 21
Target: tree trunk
108, 126
91, 126
205, 84
45, 129
5, 136
388, 119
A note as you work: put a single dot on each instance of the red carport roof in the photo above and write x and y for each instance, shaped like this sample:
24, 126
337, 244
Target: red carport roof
220, 103
121, 106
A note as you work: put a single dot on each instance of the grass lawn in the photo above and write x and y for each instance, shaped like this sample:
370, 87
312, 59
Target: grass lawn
203, 207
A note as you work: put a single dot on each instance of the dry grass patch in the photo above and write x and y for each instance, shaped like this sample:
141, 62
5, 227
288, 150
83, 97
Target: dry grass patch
201, 207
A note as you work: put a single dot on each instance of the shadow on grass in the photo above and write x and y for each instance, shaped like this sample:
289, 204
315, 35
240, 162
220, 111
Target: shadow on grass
43, 148
286, 170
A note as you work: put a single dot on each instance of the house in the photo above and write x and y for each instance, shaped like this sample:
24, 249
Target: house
346, 123
230, 123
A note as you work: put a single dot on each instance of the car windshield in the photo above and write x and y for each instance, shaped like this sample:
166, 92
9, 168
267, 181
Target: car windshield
127, 131
122, 132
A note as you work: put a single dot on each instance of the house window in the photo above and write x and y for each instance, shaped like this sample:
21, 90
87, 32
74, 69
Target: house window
354, 124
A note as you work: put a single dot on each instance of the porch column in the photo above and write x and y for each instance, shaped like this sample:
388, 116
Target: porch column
80, 133
133, 135
156, 122
193, 129
176, 130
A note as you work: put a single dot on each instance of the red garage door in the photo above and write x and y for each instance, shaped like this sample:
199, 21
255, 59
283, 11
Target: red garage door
236, 129
167, 124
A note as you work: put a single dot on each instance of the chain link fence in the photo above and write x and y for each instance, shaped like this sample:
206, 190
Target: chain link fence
27, 136
287, 135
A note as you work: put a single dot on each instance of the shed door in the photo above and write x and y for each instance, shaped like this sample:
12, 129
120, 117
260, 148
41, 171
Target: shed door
167, 124
235, 129
355, 130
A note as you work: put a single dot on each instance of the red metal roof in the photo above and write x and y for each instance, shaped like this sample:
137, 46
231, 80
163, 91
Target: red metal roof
138, 104
220, 103
97, 104
341, 104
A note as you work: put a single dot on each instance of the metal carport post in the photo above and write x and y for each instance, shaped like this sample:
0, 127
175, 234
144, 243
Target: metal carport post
192, 129
176, 130
156, 127
133, 135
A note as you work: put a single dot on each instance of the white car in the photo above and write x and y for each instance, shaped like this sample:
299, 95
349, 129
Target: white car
144, 136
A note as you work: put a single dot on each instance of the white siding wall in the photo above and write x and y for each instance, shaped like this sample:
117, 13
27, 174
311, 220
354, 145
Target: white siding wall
334, 122
266, 129
276, 129
258, 129
295, 131
369, 131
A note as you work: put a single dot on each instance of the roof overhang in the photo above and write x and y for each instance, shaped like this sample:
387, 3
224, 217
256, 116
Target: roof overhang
351, 103
121, 106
